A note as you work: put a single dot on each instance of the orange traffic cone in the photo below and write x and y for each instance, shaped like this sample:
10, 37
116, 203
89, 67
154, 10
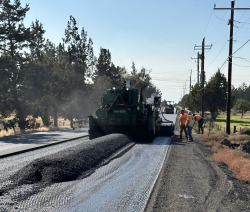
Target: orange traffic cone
240, 131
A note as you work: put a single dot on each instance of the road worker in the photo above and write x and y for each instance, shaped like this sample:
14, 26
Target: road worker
183, 117
190, 125
199, 119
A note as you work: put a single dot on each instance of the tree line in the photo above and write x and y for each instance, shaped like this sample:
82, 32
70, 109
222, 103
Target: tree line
215, 96
40, 78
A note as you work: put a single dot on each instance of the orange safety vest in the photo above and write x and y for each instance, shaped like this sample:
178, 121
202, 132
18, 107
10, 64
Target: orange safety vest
183, 118
198, 117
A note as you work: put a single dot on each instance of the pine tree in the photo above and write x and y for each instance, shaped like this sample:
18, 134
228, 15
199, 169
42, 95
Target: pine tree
104, 63
78, 49
36, 41
13, 34
13, 38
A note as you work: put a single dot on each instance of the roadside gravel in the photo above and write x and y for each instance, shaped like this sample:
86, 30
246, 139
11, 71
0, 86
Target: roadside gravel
191, 181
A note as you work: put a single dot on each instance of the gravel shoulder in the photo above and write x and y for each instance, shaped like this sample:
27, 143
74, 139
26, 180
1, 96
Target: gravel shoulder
191, 181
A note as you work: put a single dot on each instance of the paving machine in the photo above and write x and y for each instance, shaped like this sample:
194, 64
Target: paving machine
123, 111
168, 108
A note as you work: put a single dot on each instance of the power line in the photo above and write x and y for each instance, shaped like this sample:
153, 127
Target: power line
217, 55
223, 47
246, 59
241, 22
169, 72
241, 46
220, 18
241, 27
217, 24
207, 24
228, 33
239, 65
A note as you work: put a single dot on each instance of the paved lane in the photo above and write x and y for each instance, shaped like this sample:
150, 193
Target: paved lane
17, 143
125, 184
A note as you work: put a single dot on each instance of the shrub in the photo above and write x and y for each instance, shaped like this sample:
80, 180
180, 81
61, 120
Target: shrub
245, 130
239, 138
214, 136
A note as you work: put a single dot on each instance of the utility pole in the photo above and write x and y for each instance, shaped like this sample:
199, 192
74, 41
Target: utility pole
190, 81
231, 23
202, 57
198, 57
198, 61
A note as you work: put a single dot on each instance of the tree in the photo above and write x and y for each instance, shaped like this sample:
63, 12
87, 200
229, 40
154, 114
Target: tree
13, 34
193, 100
140, 79
7, 67
134, 71
242, 105
91, 61
105, 67
215, 94
36, 41
78, 50
242, 92
35, 73
104, 63
13, 38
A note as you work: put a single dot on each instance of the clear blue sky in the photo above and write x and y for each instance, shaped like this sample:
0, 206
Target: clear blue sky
156, 34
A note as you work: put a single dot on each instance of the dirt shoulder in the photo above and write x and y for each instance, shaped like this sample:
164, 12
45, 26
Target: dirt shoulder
191, 181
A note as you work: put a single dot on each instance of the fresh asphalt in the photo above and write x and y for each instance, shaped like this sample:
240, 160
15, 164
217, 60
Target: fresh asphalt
124, 183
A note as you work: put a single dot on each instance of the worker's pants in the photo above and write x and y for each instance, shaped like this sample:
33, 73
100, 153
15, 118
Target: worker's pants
200, 125
185, 130
189, 129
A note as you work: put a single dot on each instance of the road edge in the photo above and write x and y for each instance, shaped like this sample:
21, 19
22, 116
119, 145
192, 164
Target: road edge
40, 147
152, 198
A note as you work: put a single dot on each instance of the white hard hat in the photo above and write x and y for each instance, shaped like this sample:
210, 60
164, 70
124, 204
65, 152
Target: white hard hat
190, 112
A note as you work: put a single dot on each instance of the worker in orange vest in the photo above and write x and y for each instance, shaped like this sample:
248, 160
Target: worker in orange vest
183, 117
199, 119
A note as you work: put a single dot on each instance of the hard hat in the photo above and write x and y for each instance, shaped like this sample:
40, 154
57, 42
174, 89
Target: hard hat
190, 112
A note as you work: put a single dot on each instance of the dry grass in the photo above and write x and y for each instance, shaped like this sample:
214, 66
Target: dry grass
237, 161
61, 125
213, 140
239, 139
18, 132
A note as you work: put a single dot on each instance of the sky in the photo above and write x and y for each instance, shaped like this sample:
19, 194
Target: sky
159, 35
